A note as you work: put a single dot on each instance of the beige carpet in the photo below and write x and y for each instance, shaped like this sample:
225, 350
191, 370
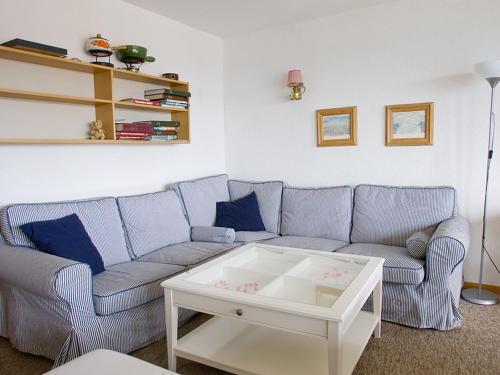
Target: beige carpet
473, 348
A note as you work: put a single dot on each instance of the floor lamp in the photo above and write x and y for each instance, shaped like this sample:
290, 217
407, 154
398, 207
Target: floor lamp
490, 70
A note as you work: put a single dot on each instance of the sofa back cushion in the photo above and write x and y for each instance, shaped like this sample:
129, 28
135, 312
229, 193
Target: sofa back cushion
389, 215
153, 221
268, 196
200, 196
100, 217
323, 212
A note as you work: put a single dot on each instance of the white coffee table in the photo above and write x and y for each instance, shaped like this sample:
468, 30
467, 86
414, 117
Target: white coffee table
277, 310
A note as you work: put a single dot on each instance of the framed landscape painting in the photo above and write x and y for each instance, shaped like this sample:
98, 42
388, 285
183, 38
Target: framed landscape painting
409, 124
337, 126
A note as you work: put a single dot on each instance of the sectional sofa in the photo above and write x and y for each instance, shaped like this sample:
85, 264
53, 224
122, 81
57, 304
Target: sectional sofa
53, 307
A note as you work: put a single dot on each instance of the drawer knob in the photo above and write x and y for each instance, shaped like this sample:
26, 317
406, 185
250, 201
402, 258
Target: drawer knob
239, 312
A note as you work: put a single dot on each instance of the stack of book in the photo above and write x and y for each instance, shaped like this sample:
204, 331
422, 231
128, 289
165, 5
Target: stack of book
168, 97
150, 130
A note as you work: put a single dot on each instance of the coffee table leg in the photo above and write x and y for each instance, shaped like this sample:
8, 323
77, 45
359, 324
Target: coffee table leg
171, 317
334, 349
377, 307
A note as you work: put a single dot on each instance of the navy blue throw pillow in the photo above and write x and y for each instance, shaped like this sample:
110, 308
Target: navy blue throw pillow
65, 237
242, 214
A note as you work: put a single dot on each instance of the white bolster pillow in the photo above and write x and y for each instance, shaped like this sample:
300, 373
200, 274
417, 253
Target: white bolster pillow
212, 234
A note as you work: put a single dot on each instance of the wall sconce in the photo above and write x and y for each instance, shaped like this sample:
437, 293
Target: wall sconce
296, 82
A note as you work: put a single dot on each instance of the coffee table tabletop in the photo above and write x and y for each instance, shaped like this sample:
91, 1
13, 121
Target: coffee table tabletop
277, 310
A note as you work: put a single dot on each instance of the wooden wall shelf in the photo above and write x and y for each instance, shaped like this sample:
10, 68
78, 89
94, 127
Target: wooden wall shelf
103, 99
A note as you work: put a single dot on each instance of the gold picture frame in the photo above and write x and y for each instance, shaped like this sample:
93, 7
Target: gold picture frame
409, 124
337, 126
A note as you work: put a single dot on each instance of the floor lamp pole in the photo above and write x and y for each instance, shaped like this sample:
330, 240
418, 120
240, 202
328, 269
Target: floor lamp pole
479, 295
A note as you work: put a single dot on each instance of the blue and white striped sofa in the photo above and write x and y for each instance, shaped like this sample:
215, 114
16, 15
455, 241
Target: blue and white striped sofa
53, 307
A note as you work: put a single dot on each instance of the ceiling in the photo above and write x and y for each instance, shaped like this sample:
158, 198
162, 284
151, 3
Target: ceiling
226, 18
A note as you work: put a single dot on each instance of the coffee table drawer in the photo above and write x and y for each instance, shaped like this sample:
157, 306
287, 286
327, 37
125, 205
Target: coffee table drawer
251, 314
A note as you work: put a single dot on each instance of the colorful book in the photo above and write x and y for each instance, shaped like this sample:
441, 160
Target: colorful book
168, 103
165, 128
142, 101
132, 138
169, 132
163, 137
168, 91
132, 134
134, 128
160, 123
165, 97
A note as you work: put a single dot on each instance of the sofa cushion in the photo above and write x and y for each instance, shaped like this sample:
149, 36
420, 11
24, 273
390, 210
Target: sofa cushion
153, 221
53, 237
322, 212
100, 217
213, 234
269, 198
187, 253
399, 266
124, 286
389, 215
241, 214
311, 243
245, 237
200, 196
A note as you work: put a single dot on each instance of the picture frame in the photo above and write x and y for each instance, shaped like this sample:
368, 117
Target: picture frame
337, 127
409, 124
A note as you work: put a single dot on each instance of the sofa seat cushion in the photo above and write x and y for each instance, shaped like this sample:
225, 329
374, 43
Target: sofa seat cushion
187, 253
311, 243
245, 237
200, 196
99, 216
388, 215
321, 212
269, 198
399, 266
127, 285
153, 221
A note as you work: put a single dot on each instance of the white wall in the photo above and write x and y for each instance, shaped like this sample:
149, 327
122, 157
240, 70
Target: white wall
56, 172
403, 52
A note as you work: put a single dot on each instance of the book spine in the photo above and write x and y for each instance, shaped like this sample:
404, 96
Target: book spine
185, 94
165, 128
171, 132
132, 138
163, 137
131, 134
168, 103
133, 128
166, 97
159, 123
142, 101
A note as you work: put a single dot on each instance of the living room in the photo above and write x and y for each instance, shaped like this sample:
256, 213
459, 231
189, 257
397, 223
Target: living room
254, 90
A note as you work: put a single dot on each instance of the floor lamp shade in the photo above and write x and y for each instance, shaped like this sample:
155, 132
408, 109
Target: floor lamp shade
488, 69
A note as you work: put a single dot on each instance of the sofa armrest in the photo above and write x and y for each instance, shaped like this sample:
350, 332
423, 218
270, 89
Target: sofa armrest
447, 247
37, 272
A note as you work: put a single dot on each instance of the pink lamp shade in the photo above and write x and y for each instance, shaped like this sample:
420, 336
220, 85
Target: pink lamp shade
295, 77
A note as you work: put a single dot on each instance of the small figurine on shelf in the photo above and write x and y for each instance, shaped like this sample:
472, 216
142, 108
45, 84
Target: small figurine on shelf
96, 130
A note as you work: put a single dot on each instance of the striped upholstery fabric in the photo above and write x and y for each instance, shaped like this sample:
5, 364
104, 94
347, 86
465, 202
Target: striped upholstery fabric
311, 243
246, 236
129, 284
417, 243
269, 198
187, 253
389, 215
153, 221
322, 212
399, 266
199, 197
99, 216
